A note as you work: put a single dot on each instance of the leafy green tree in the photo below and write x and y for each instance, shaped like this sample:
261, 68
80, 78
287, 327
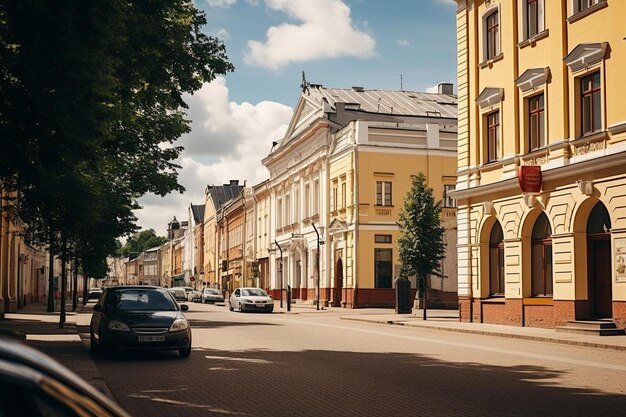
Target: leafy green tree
91, 103
420, 244
142, 241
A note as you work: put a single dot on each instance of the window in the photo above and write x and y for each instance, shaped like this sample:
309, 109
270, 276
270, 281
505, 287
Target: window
279, 213
496, 261
534, 18
343, 195
307, 200
536, 122
493, 136
382, 238
493, 35
287, 210
585, 4
383, 193
382, 268
541, 252
334, 196
316, 197
296, 205
447, 200
590, 106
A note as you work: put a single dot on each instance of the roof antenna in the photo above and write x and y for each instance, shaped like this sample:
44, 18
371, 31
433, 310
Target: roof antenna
305, 85
401, 86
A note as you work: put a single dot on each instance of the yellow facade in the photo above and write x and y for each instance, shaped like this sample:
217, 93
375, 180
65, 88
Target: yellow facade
541, 89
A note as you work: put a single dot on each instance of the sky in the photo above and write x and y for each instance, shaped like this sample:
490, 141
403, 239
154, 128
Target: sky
375, 44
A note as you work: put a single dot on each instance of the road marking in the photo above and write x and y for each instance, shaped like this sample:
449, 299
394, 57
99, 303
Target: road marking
228, 358
472, 346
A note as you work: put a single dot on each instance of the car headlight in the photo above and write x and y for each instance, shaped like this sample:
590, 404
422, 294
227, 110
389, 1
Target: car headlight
119, 326
179, 324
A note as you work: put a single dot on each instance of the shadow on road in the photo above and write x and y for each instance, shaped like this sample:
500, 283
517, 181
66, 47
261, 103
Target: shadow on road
333, 383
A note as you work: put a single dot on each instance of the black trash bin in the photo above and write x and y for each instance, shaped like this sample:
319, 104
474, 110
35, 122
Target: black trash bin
403, 296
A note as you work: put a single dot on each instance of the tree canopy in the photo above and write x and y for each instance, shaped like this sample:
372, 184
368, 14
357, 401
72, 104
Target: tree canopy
91, 104
141, 241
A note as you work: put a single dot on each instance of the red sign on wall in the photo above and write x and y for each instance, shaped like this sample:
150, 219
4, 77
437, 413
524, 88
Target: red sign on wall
529, 177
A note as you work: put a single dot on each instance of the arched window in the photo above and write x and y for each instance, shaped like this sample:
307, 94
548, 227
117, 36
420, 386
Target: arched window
496, 261
492, 32
599, 220
542, 257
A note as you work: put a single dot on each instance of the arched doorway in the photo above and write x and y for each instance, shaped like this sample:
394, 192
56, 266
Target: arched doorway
496, 261
599, 262
541, 257
338, 287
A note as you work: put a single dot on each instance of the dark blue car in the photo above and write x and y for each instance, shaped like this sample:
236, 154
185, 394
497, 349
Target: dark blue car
139, 318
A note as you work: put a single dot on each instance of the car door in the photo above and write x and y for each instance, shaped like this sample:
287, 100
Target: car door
236, 299
96, 317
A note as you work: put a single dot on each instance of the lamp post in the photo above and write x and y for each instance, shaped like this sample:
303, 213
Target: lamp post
280, 269
319, 242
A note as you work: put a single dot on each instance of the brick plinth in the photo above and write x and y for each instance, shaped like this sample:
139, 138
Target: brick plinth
493, 313
464, 310
514, 312
565, 310
539, 316
619, 313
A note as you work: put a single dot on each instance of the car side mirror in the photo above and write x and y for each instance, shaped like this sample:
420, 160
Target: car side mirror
184, 307
97, 307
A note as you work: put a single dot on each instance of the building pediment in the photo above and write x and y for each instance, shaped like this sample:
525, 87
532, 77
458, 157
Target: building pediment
490, 96
337, 226
532, 78
586, 54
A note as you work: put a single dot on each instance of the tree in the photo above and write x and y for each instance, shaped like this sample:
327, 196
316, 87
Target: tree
142, 241
91, 103
420, 244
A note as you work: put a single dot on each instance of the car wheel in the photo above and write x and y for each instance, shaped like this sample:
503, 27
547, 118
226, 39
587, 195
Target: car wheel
230, 306
95, 347
185, 352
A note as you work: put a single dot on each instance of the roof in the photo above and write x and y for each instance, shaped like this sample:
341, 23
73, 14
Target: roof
222, 194
198, 212
408, 103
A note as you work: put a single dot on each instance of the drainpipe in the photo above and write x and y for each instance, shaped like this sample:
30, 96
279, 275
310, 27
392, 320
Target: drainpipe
356, 221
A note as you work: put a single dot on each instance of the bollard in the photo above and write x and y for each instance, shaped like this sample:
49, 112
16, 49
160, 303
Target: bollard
288, 297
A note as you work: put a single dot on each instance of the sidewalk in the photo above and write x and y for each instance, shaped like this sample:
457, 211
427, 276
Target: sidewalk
448, 320
40, 330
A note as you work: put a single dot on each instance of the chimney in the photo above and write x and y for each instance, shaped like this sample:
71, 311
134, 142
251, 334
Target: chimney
445, 88
234, 183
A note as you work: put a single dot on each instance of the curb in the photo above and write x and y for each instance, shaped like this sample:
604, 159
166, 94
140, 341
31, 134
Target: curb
491, 333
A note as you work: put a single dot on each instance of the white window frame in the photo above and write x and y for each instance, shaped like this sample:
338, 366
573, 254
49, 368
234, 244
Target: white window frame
383, 201
447, 200
316, 196
541, 23
484, 31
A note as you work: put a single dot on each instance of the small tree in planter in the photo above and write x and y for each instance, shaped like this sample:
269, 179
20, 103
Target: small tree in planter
420, 244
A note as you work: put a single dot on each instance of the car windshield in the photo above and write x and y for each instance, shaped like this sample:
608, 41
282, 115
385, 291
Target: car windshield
140, 299
209, 291
253, 292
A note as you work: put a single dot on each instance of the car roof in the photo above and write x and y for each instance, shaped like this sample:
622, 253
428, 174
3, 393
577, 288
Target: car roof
16, 352
135, 287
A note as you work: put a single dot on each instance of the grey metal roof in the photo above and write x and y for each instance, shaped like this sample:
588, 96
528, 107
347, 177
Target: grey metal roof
198, 212
222, 194
409, 103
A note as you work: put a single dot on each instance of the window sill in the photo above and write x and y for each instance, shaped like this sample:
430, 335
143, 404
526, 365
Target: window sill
538, 301
532, 41
494, 299
590, 137
489, 63
382, 206
589, 10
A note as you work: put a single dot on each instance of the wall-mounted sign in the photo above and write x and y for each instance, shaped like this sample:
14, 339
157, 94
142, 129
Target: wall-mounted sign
529, 178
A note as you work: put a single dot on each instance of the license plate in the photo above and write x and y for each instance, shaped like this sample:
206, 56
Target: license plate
260, 305
151, 338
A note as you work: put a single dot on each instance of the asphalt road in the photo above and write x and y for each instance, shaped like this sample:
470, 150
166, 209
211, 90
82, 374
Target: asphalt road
315, 364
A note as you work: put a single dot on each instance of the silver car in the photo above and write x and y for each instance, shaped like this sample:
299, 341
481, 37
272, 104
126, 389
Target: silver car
211, 295
251, 299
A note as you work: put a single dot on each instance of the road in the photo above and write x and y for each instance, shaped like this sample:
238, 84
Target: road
316, 364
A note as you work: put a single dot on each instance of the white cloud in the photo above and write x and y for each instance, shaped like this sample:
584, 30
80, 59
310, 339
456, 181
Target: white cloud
222, 34
326, 31
404, 42
221, 3
227, 142
433, 89
447, 2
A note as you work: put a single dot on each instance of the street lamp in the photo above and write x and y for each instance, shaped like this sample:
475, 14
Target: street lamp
280, 269
319, 242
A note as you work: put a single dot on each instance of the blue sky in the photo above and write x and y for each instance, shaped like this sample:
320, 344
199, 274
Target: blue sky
338, 43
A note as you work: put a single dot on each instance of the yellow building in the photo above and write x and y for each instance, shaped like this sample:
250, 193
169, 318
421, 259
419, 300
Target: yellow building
338, 180
541, 175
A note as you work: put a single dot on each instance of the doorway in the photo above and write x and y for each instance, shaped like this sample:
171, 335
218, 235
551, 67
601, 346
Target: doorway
337, 290
599, 262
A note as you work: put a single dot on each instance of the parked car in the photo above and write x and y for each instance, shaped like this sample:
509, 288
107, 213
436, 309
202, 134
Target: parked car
188, 292
196, 296
251, 299
211, 295
94, 293
178, 293
33, 384
139, 317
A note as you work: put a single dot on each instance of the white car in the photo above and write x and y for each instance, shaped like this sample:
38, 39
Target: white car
251, 299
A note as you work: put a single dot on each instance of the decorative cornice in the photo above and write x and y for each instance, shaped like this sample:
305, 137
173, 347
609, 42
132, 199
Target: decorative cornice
586, 54
532, 78
489, 97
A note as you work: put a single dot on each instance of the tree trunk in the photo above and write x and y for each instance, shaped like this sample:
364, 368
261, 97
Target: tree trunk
75, 285
50, 277
424, 299
63, 280
85, 290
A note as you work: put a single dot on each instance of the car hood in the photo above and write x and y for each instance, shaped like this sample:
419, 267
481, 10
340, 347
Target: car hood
256, 298
146, 318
